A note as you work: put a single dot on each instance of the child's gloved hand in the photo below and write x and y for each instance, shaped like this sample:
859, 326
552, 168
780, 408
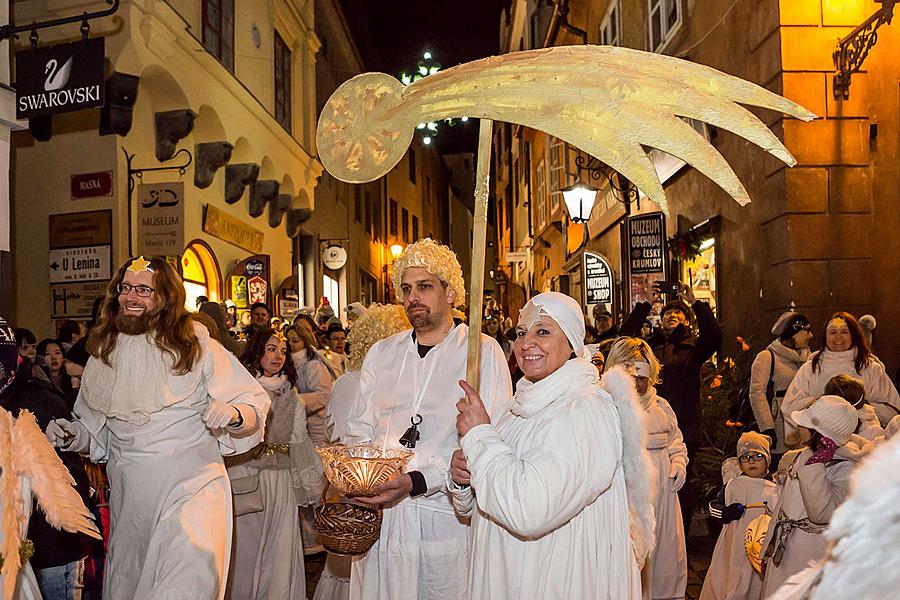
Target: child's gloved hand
824, 452
732, 512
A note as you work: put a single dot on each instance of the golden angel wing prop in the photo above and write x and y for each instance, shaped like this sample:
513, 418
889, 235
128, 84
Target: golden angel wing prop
609, 102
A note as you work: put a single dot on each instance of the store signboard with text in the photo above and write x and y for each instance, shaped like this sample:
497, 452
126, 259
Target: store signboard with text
59, 79
160, 219
646, 246
598, 280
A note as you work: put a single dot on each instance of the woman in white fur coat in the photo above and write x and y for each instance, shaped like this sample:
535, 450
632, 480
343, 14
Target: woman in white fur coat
549, 484
846, 352
668, 453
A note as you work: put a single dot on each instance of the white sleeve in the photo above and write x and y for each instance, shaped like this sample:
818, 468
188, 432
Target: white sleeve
759, 382
95, 423
550, 483
496, 384
319, 380
797, 397
676, 449
881, 393
362, 421
228, 381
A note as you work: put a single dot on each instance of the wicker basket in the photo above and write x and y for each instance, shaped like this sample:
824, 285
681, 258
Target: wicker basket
347, 529
355, 470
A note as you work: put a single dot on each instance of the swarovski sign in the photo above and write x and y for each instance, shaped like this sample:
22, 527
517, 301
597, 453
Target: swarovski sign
59, 79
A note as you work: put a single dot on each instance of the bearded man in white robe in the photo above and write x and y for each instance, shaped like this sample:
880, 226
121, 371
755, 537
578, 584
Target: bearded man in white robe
161, 402
408, 389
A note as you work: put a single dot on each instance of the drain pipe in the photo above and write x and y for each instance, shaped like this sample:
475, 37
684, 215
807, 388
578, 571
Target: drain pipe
560, 18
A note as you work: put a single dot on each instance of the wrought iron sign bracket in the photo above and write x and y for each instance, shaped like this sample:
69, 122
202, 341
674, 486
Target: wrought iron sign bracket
11, 30
138, 173
854, 48
623, 190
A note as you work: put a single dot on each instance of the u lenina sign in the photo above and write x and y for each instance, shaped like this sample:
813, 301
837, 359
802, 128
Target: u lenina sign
59, 79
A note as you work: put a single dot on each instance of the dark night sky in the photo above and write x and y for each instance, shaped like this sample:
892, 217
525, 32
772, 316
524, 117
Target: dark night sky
393, 34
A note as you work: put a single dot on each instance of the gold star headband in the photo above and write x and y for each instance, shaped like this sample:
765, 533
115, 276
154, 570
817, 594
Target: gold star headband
139, 265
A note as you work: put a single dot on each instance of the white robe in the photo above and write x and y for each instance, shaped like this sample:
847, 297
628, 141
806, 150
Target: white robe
314, 385
666, 446
730, 575
809, 385
344, 397
170, 499
422, 551
26, 583
551, 520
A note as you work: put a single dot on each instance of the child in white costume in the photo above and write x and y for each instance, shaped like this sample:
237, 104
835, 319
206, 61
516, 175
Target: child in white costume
667, 565
812, 482
730, 575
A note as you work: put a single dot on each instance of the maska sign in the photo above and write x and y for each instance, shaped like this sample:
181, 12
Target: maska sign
59, 79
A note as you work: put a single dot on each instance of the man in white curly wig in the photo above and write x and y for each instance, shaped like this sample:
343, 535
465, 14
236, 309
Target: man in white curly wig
408, 396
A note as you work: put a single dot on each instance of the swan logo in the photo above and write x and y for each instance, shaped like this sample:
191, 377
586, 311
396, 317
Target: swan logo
56, 77
59, 79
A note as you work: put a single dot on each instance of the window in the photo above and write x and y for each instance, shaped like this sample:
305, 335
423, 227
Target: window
415, 229
609, 28
218, 30
559, 170
377, 218
540, 193
200, 274
392, 227
405, 223
369, 212
665, 19
412, 165
368, 288
282, 83
331, 289
357, 205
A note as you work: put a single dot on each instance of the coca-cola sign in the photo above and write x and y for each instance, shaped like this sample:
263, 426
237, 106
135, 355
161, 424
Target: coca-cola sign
59, 79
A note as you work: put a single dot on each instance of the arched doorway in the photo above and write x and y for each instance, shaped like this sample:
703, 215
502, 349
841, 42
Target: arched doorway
201, 274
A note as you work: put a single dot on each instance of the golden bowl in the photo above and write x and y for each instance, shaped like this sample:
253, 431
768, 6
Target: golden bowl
355, 470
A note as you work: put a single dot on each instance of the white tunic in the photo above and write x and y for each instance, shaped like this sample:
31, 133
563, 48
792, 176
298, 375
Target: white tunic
730, 575
170, 499
809, 385
666, 446
551, 520
422, 551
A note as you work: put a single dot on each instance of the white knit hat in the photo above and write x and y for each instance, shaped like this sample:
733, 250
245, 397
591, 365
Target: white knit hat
832, 416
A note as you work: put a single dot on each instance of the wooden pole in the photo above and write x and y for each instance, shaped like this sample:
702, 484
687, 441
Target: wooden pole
479, 239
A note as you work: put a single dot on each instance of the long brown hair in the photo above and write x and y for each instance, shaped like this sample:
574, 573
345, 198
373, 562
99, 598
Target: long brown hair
860, 342
171, 327
256, 349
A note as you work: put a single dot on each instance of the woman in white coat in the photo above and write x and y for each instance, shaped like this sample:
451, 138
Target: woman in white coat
548, 483
846, 352
667, 567
268, 548
778, 364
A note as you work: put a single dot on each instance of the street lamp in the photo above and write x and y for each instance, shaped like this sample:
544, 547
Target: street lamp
396, 251
579, 199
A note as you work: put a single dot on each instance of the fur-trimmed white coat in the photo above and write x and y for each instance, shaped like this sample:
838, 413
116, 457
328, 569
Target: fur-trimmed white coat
549, 500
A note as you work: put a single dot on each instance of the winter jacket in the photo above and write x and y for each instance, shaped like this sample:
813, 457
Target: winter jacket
52, 547
682, 355
809, 384
787, 362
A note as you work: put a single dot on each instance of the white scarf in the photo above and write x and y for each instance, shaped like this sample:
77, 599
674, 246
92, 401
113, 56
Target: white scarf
534, 396
139, 381
273, 383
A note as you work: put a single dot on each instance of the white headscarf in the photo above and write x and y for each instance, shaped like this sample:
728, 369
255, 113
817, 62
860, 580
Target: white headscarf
563, 309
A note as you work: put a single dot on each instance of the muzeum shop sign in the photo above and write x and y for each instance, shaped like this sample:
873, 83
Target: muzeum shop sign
59, 79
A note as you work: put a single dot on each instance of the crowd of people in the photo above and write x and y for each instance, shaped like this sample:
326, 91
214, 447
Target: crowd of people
192, 437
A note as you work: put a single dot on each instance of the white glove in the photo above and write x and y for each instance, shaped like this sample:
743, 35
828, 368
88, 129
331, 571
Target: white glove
219, 415
678, 475
69, 436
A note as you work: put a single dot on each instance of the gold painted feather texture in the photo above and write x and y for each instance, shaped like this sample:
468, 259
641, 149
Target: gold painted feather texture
610, 102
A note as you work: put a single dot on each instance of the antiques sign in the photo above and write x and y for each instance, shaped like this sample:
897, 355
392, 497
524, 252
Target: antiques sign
59, 79
647, 243
160, 219
234, 231
598, 281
